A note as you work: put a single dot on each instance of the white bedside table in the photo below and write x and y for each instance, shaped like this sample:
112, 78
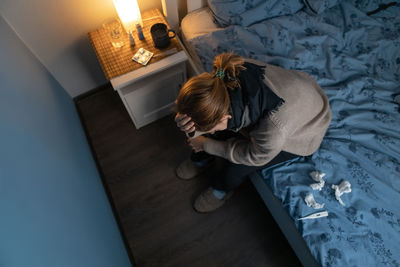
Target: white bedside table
148, 92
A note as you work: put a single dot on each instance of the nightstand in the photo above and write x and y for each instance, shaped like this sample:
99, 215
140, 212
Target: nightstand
148, 92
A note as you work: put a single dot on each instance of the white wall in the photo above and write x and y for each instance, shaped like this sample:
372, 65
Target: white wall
56, 33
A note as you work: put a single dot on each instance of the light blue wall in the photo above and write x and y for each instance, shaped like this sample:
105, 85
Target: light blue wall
53, 208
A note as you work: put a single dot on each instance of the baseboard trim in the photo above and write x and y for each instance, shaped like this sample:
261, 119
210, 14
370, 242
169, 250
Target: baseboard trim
91, 92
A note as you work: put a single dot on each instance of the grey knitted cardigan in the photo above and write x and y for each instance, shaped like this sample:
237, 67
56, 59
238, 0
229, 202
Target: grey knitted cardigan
298, 126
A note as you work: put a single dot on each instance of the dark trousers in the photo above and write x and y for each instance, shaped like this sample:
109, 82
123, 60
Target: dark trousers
228, 175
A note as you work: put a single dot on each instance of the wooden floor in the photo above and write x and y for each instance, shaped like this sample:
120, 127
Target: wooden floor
154, 208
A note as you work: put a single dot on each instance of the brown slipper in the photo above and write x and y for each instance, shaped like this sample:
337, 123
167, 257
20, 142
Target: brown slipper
188, 169
207, 201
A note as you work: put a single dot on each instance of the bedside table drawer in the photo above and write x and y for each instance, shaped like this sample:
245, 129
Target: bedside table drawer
153, 97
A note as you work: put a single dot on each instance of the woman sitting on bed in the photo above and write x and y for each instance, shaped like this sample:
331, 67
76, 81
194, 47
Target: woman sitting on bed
252, 115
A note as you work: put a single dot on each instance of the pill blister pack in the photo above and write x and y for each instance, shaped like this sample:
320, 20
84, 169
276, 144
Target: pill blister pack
142, 56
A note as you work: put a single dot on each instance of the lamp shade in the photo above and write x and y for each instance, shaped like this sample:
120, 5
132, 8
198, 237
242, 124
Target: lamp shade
129, 13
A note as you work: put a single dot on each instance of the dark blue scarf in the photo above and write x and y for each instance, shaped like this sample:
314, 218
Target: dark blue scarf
255, 94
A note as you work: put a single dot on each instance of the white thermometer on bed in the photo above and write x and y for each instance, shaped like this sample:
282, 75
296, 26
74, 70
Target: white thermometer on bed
315, 215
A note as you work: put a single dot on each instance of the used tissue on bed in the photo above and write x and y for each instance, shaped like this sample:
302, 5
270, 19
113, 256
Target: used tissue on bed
310, 201
343, 187
318, 177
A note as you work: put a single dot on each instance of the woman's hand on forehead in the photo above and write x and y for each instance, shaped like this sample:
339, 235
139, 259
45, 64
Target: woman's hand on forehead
184, 123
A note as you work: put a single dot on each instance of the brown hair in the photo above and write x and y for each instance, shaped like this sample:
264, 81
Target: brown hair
205, 97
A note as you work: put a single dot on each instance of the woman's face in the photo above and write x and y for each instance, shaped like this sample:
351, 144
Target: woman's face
222, 125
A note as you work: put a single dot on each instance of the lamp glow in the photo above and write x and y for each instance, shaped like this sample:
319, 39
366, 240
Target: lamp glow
129, 13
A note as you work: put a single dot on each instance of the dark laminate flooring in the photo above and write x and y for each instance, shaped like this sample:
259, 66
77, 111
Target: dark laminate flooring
154, 208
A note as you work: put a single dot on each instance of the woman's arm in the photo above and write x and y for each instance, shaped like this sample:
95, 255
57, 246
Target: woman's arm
265, 142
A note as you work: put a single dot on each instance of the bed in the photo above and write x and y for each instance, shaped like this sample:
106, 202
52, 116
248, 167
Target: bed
352, 49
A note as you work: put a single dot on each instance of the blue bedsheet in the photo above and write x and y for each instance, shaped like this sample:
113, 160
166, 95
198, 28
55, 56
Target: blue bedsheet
356, 59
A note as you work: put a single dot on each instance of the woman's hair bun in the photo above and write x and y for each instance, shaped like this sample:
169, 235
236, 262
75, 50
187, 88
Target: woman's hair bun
226, 68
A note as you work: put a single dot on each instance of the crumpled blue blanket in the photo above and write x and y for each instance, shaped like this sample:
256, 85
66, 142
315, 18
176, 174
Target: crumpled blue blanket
356, 60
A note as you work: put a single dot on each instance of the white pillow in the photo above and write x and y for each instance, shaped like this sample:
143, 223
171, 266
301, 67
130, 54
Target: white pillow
198, 22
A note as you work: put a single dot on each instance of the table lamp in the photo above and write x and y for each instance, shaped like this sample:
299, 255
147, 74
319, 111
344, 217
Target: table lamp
129, 14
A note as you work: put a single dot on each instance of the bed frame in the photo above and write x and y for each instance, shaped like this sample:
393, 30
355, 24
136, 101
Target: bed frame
284, 221
171, 10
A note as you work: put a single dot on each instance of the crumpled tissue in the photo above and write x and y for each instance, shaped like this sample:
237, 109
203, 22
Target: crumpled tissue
318, 177
343, 187
310, 201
